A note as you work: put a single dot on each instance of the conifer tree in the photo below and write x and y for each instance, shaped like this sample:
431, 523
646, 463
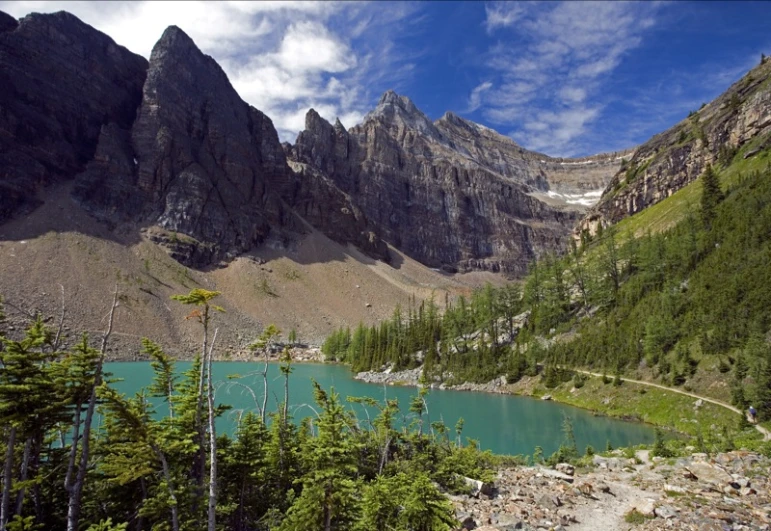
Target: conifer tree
25, 399
711, 196
328, 501
202, 299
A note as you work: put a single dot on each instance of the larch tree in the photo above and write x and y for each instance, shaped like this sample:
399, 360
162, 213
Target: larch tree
201, 298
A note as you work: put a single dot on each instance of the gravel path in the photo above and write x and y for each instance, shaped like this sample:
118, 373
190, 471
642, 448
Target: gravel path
761, 429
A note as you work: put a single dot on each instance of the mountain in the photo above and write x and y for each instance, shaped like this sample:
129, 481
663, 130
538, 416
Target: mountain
451, 193
166, 145
158, 176
736, 122
61, 81
169, 149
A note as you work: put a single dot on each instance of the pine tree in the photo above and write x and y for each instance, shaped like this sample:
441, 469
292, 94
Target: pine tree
201, 298
25, 399
711, 196
245, 474
328, 500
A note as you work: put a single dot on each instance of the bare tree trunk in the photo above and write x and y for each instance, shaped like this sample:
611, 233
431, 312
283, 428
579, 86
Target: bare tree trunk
286, 398
73, 448
327, 509
36, 496
170, 393
5, 505
140, 519
384, 456
76, 491
23, 474
169, 486
57, 339
201, 454
265, 383
212, 441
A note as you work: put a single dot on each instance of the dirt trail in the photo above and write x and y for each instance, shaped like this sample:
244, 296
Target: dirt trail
761, 429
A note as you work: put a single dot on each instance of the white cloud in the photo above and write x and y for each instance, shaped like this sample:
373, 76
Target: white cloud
309, 47
570, 94
282, 57
549, 63
475, 99
502, 14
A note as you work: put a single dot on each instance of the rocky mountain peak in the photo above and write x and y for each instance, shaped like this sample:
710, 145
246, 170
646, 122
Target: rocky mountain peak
177, 51
314, 122
454, 119
175, 43
452, 122
399, 113
7, 22
390, 97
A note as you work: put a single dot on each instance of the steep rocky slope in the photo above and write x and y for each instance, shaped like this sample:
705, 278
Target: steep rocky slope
738, 120
199, 161
168, 148
451, 194
314, 285
61, 81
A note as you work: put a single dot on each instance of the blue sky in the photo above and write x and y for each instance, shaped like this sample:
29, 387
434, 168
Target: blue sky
563, 78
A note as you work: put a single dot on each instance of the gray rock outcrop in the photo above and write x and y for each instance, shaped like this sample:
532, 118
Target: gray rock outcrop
739, 118
61, 81
451, 194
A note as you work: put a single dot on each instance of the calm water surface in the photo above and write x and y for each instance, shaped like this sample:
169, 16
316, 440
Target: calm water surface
502, 423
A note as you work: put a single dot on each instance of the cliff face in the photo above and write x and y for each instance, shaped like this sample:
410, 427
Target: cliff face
169, 147
61, 81
676, 157
198, 160
450, 193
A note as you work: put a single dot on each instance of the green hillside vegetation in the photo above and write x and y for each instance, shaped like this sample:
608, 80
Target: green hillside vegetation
665, 214
154, 460
691, 300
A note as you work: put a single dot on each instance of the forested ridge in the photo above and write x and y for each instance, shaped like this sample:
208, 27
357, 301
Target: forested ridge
663, 305
79, 455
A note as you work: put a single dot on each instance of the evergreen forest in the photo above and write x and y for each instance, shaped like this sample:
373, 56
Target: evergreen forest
81, 456
661, 305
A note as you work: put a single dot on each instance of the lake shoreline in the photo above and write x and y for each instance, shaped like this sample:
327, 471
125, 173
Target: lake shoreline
528, 387
411, 378
506, 425
618, 402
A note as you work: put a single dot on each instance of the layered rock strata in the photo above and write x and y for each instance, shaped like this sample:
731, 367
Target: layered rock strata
739, 119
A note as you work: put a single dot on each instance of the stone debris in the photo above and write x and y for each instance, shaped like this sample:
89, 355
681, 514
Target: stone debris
725, 492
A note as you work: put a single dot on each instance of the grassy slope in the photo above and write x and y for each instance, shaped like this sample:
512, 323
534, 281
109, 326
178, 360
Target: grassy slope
674, 208
652, 405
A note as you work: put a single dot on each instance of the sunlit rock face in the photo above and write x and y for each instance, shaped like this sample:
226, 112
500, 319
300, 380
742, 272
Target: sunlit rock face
451, 193
739, 117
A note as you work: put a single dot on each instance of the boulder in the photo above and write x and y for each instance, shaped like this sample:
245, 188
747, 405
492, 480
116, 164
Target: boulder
665, 511
478, 487
712, 474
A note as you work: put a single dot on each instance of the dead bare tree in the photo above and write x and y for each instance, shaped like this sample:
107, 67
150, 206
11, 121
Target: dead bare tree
75, 490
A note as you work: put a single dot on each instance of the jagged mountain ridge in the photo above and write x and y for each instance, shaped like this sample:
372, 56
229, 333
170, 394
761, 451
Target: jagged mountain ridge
738, 118
168, 146
450, 193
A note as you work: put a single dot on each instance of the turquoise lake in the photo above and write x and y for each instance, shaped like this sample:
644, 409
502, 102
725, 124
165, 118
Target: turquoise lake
502, 423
